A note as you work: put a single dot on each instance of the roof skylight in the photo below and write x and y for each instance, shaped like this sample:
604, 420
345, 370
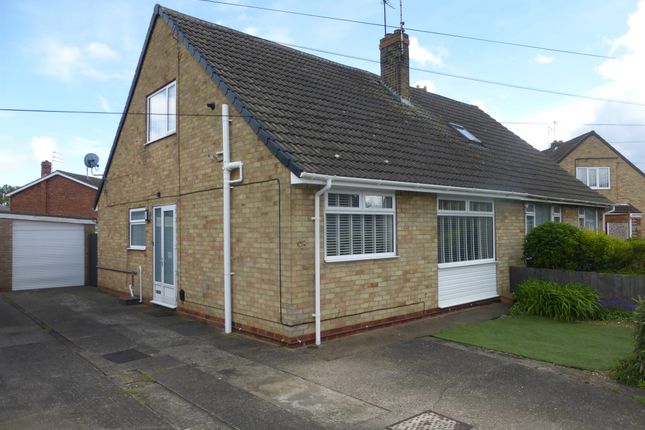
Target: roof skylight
464, 132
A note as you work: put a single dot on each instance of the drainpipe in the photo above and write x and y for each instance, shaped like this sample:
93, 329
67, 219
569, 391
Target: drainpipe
140, 285
320, 192
228, 314
227, 166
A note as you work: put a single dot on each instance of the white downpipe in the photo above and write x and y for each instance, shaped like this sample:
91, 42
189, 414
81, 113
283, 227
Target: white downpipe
320, 192
140, 285
226, 185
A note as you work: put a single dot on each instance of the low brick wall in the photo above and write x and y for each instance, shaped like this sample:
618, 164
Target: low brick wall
614, 290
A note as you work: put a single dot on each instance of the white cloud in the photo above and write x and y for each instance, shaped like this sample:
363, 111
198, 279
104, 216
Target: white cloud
479, 103
253, 31
623, 81
543, 59
105, 105
42, 148
424, 56
427, 84
67, 61
101, 51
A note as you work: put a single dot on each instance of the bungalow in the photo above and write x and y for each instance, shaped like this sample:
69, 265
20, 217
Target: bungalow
291, 197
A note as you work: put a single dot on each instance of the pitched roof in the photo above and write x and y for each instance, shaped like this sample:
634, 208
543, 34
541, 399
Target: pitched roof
560, 150
88, 181
318, 116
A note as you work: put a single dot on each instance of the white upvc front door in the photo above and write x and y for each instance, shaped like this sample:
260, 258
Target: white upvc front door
164, 288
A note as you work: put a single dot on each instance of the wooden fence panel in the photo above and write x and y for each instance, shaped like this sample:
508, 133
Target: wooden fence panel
613, 289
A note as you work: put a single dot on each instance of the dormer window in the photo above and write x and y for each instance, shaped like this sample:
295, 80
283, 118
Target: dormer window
464, 132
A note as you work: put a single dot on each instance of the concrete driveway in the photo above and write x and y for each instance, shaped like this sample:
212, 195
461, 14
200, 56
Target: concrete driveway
76, 358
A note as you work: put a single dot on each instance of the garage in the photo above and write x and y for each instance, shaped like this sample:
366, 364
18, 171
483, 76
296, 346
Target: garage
43, 251
47, 255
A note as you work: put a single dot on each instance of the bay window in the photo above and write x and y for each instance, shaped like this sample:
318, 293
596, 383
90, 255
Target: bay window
466, 230
359, 225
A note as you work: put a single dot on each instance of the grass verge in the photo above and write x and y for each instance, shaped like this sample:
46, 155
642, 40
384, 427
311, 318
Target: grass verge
583, 345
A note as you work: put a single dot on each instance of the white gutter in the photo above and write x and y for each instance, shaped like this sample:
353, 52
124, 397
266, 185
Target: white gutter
345, 181
320, 192
226, 186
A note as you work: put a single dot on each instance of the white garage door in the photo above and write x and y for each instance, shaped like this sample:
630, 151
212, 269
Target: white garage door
466, 284
47, 255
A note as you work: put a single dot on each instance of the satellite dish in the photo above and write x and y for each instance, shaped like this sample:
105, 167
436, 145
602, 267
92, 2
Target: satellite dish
91, 161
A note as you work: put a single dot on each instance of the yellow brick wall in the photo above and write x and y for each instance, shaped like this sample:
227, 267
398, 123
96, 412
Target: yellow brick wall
272, 227
627, 184
510, 233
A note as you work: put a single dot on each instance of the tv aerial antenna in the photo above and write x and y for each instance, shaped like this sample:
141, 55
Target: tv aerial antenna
91, 161
385, 3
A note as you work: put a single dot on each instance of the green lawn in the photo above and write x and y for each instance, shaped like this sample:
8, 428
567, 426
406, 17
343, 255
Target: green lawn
584, 345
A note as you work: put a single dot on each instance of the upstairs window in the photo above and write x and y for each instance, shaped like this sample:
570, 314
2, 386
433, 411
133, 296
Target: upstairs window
556, 214
161, 112
597, 178
359, 225
138, 228
464, 132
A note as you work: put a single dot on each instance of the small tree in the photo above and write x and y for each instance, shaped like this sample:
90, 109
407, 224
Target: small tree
631, 371
4, 190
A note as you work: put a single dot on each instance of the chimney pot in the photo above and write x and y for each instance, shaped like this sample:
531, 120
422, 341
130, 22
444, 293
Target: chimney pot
45, 168
395, 62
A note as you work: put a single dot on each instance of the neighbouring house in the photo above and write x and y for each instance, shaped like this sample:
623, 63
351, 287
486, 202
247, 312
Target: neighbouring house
56, 193
596, 163
46, 232
354, 200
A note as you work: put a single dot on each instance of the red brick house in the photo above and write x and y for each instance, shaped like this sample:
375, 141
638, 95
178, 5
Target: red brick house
56, 193
46, 233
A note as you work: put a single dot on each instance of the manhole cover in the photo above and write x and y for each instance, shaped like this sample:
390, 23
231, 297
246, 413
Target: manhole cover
125, 356
429, 421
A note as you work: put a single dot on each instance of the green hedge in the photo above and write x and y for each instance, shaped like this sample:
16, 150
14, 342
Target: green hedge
562, 246
562, 302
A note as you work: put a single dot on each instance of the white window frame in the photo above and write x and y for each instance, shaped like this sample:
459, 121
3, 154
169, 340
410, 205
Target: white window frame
137, 222
556, 214
467, 213
584, 172
529, 211
582, 218
170, 128
361, 210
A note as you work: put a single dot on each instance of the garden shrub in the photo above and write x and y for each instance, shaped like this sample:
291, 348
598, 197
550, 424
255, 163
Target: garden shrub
565, 247
631, 371
552, 246
562, 302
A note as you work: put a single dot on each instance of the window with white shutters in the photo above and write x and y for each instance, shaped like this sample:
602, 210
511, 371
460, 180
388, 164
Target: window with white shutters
359, 225
466, 230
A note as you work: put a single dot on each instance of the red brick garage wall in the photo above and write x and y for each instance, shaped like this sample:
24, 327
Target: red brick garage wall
57, 196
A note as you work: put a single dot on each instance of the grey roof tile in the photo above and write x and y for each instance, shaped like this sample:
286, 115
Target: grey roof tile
309, 110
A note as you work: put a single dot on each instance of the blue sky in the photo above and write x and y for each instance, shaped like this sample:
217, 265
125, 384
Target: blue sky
81, 55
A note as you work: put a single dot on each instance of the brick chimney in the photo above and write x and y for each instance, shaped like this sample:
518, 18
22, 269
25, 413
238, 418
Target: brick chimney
395, 62
45, 168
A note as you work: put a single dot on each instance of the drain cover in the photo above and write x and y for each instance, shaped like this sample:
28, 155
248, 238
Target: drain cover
429, 420
125, 356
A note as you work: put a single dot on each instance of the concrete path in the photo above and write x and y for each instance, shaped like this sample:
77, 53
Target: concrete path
75, 358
